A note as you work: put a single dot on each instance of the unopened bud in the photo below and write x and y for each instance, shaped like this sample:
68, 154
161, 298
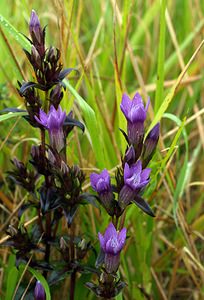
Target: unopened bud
150, 145
35, 57
130, 155
39, 292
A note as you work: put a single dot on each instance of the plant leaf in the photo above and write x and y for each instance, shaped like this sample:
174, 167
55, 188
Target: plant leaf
12, 115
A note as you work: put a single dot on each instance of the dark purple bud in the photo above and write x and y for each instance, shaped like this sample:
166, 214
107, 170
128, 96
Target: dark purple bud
53, 122
56, 95
51, 54
34, 26
20, 167
35, 58
38, 159
64, 168
135, 180
112, 242
130, 155
39, 292
37, 34
102, 185
150, 144
135, 113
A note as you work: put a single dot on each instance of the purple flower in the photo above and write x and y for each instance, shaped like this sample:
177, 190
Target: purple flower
53, 122
135, 113
150, 144
112, 242
39, 292
100, 182
135, 177
135, 180
102, 185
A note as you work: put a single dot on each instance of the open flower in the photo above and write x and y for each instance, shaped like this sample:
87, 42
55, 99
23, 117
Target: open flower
135, 180
39, 292
102, 185
135, 113
53, 122
112, 242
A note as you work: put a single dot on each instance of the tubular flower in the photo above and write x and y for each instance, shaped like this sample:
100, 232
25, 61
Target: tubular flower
102, 185
53, 122
112, 242
135, 113
135, 180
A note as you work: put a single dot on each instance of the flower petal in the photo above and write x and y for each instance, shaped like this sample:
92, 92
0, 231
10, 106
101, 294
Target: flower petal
122, 237
110, 232
105, 175
137, 100
145, 174
112, 246
137, 167
137, 114
101, 240
125, 105
94, 177
127, 172
147, 104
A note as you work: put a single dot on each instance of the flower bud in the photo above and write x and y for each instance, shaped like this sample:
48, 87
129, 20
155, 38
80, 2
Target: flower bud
130, 155
39, 292
35, 57
102, 185
37, 34
56, 95
150, 145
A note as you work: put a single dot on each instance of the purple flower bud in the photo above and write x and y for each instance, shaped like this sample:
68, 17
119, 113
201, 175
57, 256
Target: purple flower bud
34, 26
150, 144
56, 95
39, 292
102, 185
53, 122
37, 34
112, 242
135, 180
36, 59
130, 155
135, 113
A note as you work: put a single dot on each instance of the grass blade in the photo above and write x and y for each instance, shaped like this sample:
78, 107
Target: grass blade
91, 123
22, 41
12, 115
161, 58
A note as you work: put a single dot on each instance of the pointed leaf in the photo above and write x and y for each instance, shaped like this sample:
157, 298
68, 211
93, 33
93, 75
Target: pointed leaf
65, 72
143, 205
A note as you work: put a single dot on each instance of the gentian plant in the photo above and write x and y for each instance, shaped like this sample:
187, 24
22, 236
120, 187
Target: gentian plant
55, 188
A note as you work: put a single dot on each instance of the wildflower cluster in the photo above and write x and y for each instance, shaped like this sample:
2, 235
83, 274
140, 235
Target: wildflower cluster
131, 179
54, 187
